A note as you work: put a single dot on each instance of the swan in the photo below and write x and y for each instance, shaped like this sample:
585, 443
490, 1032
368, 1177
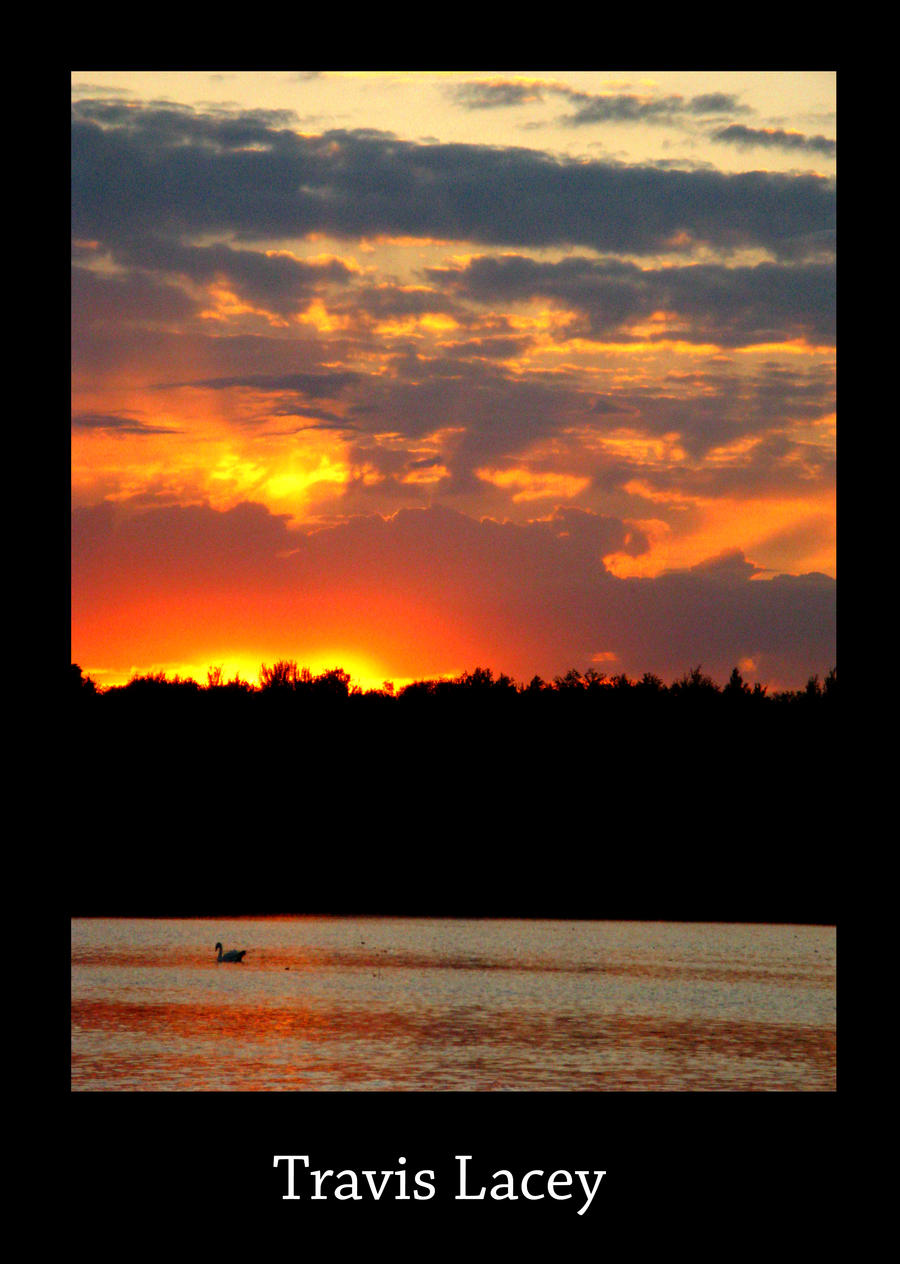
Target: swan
235, 954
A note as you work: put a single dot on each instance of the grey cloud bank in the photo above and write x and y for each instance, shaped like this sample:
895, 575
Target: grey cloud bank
157, 169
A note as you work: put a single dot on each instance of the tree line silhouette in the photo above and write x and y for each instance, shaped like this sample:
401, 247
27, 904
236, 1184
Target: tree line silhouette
285, 682
585, 795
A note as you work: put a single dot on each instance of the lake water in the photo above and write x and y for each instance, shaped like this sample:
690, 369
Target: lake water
431, 1004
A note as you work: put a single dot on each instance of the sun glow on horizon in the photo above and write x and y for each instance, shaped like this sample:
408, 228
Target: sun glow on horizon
364, 671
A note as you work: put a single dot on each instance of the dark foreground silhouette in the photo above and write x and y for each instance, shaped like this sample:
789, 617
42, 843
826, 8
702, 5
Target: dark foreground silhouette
585, 797
285, 686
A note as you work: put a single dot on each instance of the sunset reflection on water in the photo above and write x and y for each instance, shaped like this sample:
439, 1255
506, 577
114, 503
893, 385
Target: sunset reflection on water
434, 1004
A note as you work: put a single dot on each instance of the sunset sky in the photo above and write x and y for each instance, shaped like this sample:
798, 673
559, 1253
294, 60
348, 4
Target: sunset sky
415, 372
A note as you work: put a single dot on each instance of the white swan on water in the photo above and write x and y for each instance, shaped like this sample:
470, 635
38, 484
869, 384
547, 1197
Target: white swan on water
235, 954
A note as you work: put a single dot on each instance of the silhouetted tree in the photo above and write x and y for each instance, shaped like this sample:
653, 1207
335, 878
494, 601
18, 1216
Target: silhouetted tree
571, 680
418, 690
83, 686
693, 706
693, 685
736, 687
594, 680
650, 684
146, 682
330, 686
283, 675
479, 680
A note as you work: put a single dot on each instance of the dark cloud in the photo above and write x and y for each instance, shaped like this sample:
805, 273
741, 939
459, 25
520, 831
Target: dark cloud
113, 423
782, 625
497, 413
309, 385
596, 534
112, 300
603, 406
311, 423
728, 566
618, 107
631, 108
386, 301
175, 172
496, 94
276, 282
773, 138
716, 103
534, 597
490, 348
625, 108
713, 409
733, 306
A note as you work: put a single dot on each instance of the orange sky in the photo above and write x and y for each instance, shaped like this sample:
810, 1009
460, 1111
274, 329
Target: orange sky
408, 406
